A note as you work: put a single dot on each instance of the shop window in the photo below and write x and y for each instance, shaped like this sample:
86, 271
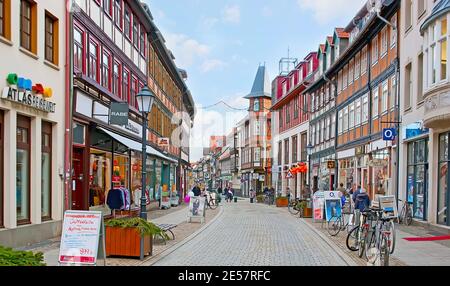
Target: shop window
46, 171
443, 211
1, 167
28, 23
417, 177
51, 38
99, 177
23, 169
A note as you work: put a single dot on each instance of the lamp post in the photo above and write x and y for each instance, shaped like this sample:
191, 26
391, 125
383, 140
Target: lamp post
145, 100
309, 149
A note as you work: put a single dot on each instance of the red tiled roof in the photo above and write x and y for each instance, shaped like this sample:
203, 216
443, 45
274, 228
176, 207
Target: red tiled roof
341, 33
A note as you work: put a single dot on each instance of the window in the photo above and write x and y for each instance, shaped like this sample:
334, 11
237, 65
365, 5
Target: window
106, 70
93, 60
294, 149
126, 85
280, 151
375, 50
79, 134
142, 44
351, 116
2, 18
358, 112
364, 61
322, 135
333, 126
134, 90
107, 7
365, 109
375, 102
318, 133
46, 171
408, 86
286, 151
23, 151
78, 49
257, 154
443, 54
345, 78
257, 127
135, 32
288, 115
27, 25
127, 28
118, 13
384, 42
392, 94
420, 8
408, 14
280, 122
313, 135
116, 79
256, 105
345, 127
420, 78
339, 81
340, 122
284, 88
51, 38
384, 97
296, 107
394, 32
350, 72
291, 82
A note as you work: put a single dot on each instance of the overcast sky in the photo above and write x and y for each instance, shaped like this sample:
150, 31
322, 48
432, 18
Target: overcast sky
221, 43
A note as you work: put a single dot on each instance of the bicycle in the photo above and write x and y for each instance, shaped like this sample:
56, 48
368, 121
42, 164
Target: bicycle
380, 241
211, 202
406, 213
293, 206
337, 223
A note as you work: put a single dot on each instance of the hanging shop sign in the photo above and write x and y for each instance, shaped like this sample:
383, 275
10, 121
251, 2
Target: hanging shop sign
22, 91
80, 237
163, 142
331, 164
389, 134
119, 113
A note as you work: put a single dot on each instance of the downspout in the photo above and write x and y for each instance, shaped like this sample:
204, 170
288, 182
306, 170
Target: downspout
68, 108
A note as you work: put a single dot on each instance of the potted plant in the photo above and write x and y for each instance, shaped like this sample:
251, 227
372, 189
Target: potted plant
11, 257
260, 199
282, 202
123, 236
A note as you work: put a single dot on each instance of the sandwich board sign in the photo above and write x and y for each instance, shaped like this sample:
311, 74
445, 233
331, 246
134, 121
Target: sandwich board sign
333, 205
389, 206
197, 208
80, 238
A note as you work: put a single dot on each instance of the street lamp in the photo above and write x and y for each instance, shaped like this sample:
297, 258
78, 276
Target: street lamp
145, 100
309, 150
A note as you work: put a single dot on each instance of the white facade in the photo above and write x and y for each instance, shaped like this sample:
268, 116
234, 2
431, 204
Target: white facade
17, 60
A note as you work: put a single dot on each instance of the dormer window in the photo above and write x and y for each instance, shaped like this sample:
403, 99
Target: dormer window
284, 88
311, 66
292, 82
256, 105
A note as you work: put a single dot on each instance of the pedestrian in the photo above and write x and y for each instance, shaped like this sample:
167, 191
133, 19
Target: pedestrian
196, 190
362, 200
252, 196
342, 189
288, 193
271, 195
219, 190
231, 194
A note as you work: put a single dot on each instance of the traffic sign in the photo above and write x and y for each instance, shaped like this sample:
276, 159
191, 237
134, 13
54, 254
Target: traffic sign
289, 175
389, 134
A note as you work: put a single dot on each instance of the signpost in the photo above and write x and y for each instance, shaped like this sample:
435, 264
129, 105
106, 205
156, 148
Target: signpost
80, 238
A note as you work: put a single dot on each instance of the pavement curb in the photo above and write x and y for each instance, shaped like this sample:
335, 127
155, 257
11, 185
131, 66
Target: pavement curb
174, 247
339, 252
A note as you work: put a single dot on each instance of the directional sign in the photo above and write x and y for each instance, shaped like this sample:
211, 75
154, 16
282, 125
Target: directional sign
389, 134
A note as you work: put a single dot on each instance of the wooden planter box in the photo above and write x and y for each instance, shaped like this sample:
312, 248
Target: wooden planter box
126, 242
307, 212
282, 202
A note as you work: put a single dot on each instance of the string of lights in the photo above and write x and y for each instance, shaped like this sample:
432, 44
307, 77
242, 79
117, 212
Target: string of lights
242, 109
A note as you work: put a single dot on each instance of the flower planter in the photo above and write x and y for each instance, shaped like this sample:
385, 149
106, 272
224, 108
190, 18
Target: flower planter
126, 242
282, 202
307, 212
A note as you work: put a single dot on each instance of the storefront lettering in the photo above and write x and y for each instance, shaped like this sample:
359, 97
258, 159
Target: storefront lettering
29, 99
132, 128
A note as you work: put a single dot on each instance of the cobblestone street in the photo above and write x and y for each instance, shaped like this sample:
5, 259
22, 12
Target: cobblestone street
253, 235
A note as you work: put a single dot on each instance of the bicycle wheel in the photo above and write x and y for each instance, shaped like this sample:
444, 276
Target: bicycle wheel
384, 251
292, 207
371, 248
391, 238
334, 225
352, 239
213, 204
408, 216
362, 235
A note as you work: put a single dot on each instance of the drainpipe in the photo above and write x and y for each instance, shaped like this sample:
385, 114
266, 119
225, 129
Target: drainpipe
68, 108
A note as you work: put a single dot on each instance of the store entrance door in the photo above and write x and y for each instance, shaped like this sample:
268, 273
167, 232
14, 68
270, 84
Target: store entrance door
78, 179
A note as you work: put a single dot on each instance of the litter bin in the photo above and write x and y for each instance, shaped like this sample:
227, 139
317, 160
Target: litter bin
235, 199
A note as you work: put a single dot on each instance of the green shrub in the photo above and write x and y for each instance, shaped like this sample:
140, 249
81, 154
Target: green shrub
260, 199
144, 227
11, 257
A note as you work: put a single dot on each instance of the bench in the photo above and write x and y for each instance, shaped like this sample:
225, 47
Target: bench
167, 228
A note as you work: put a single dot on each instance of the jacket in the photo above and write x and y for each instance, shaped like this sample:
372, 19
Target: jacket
115, 199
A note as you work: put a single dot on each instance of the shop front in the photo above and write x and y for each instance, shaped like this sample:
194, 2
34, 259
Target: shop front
380, 162
417, 177
443, 211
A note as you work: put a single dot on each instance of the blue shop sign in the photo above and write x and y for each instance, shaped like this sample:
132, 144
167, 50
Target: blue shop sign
414, 130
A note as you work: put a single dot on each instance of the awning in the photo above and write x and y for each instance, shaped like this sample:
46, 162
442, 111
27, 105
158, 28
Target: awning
137, 146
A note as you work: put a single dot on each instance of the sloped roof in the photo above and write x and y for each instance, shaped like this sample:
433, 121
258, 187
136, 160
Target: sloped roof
341, 33
261, 85
440, 9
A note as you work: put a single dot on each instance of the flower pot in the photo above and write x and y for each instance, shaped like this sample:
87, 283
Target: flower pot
282, 202
307, 212
126, 242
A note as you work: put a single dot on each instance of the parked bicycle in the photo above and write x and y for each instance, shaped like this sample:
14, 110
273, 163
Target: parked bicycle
211, 202
406, 216
338, 223
380, 240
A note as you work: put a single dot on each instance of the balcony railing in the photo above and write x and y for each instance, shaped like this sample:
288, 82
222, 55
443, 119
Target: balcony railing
436, 112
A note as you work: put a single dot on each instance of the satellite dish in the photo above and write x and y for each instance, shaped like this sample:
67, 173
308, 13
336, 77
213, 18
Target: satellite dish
374, 6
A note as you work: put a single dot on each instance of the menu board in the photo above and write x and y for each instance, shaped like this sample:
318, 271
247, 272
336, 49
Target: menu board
80, 237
